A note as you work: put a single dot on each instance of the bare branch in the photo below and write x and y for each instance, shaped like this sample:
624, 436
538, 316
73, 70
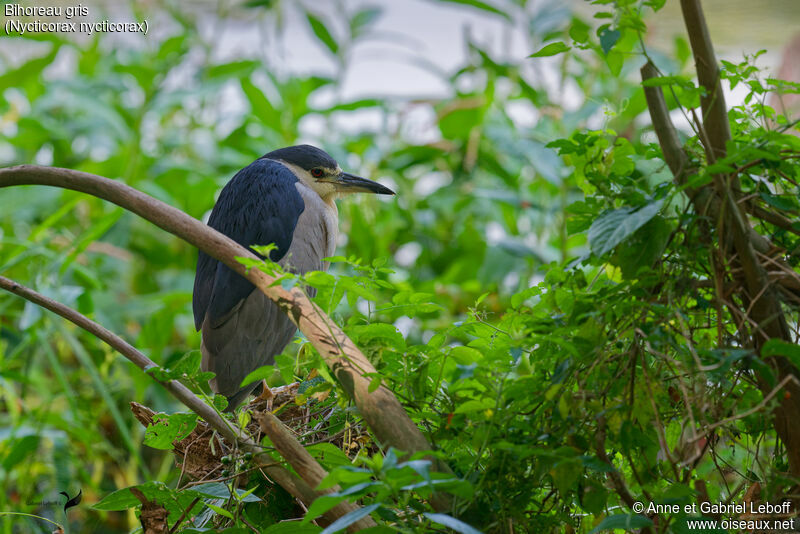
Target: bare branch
667, 135
715, 114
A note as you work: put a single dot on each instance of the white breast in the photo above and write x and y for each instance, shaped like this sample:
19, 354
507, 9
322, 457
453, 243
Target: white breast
315, 234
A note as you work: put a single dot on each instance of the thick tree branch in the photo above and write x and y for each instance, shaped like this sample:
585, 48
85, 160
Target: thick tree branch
705, 200
722, 208
715, 114
667, 135
380, 409
298, 488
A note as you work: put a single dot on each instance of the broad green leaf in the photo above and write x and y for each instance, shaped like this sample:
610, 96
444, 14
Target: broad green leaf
778, 347
321, 505
234, 69
608, 38
221, 511
566, 473
322, 33
483, 6
166, 429
465, 355
644, 247
348, 519
21, 448
551, 50
262, 373
365, 334
452, 523
612, 227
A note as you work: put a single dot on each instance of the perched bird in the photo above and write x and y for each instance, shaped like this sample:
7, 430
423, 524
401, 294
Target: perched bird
286, 197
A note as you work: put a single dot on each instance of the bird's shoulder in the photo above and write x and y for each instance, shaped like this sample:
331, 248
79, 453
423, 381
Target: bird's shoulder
264, 184
258, 206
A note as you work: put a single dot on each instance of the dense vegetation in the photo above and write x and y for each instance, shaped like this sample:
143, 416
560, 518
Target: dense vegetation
574, 321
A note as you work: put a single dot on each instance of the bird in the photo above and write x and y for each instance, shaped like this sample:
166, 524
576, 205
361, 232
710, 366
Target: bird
286, 198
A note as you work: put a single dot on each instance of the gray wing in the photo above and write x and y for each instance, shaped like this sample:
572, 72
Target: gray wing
255, 331
241, 328
258, 206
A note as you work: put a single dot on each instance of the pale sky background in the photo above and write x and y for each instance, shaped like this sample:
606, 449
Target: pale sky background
413, 39
415, 44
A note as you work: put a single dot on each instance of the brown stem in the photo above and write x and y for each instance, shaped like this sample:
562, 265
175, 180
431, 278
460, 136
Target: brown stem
613, 475
715, 114
722, 208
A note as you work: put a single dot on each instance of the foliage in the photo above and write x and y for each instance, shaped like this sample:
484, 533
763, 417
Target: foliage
540, 296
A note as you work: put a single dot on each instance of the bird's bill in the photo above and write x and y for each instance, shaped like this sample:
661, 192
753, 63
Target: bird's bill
349, 183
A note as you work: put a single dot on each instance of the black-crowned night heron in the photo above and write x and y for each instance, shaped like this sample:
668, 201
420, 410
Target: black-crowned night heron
287, 198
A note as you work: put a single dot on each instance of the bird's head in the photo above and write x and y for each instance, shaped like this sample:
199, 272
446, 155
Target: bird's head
321, 173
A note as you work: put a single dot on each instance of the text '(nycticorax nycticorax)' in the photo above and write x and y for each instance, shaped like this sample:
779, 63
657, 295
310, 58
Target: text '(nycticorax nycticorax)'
286, 197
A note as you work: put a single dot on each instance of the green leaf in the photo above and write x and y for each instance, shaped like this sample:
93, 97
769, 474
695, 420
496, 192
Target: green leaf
644, 247
260, 105
483, 6
475, 406
365, 334
166, 429
465, 355
347, 520
220, 402
234, 69
262, 373
551, 50
221, 511
22, 448
781, 202
353, 287
608, 38
612, 227
117, 500
594, 497
321, 505
187, 366
452, 523
627, 522
363, 18
174, 501
615, 60
322, 33
566, 473
218, 490
579, 31
778, 347
353, 105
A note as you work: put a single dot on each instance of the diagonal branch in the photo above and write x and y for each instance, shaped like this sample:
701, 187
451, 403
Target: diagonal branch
298, 488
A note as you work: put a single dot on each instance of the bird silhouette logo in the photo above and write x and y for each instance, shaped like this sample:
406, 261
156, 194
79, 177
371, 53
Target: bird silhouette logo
74, 501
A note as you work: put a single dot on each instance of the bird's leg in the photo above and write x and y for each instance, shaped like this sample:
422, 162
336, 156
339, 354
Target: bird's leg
265, 395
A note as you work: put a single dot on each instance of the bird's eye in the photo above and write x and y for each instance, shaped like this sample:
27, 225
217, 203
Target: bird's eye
317, 173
